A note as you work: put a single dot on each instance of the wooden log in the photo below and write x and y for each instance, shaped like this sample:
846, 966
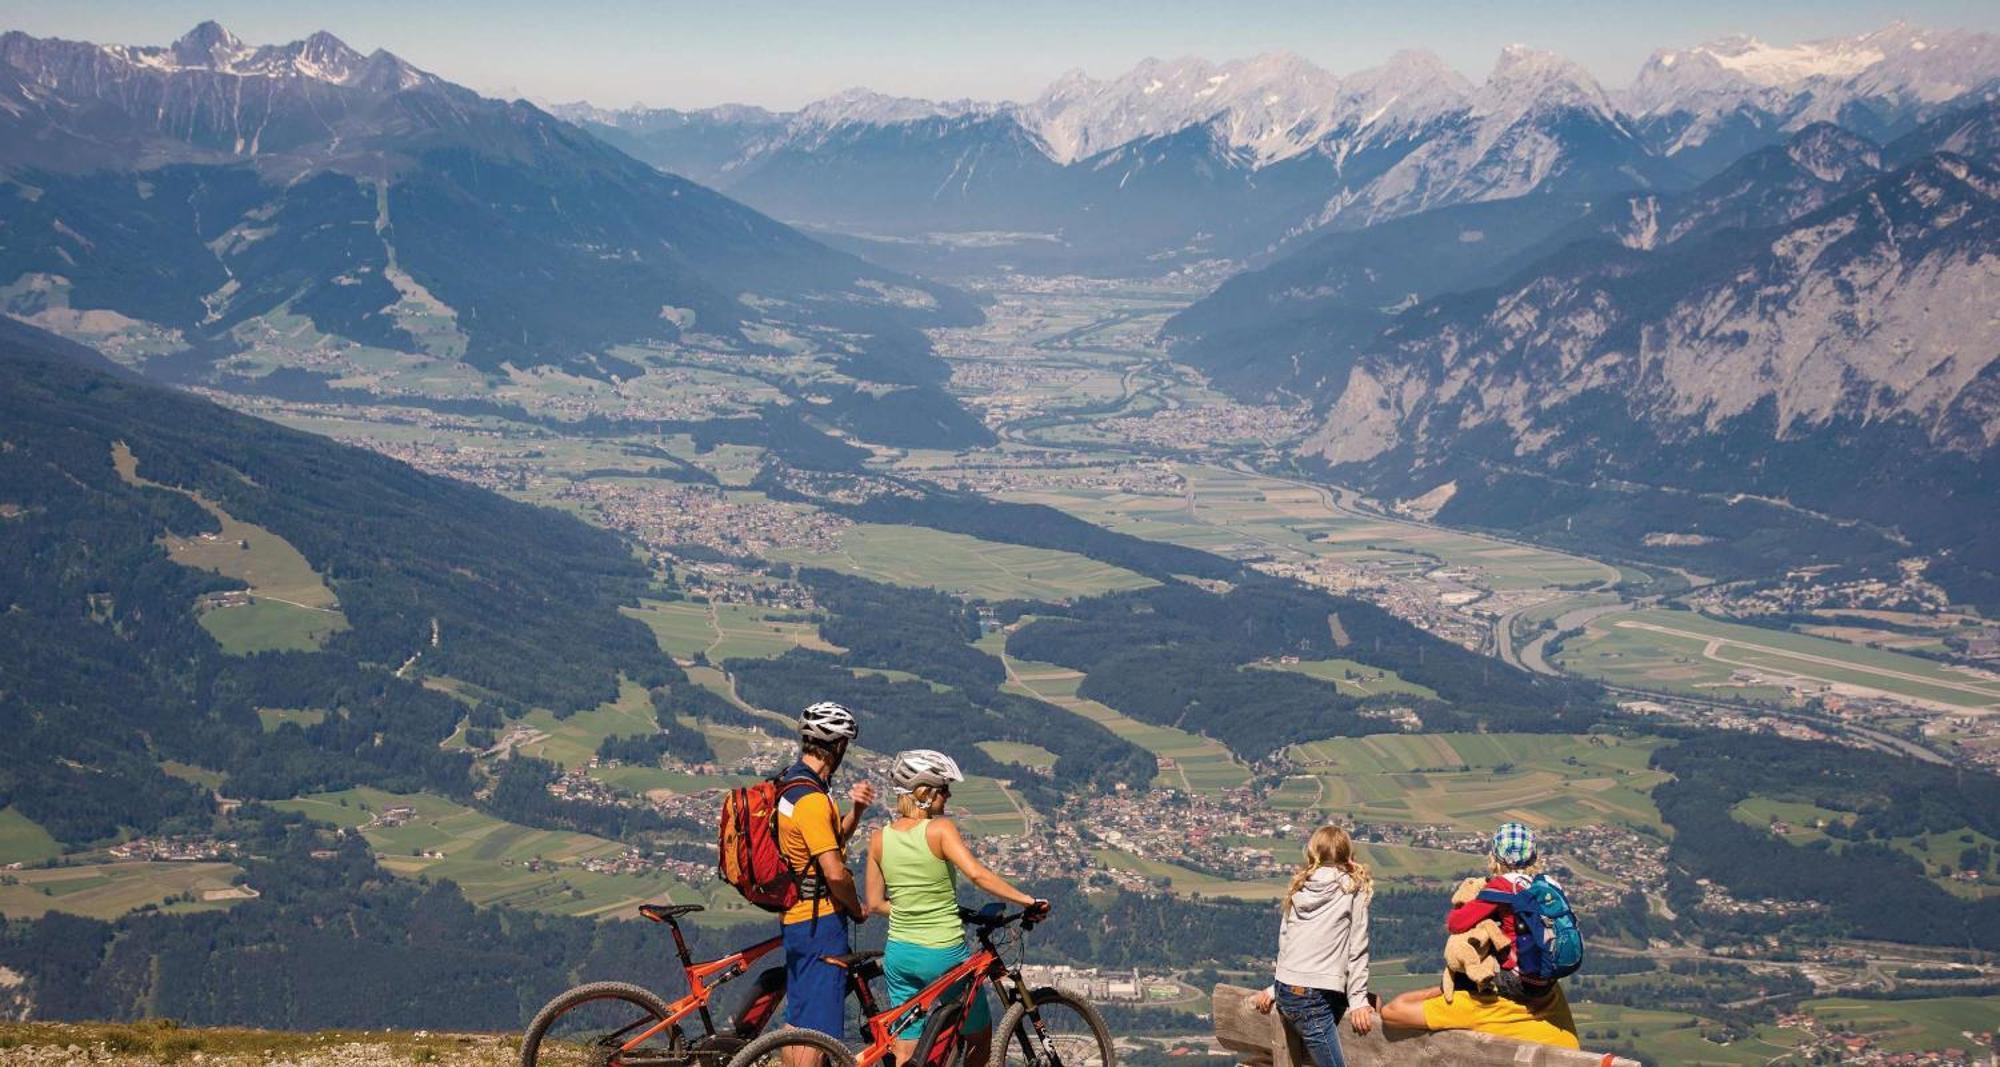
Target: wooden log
1265, 1041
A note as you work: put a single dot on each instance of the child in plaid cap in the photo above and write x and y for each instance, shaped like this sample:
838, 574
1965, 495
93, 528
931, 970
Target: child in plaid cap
1512, 866
1519, 1007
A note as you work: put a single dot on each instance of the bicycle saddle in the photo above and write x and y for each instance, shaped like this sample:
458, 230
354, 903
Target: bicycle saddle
855, 959
660, 913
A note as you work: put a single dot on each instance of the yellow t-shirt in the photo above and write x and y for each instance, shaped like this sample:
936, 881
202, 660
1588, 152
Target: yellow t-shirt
807, 827
1549, 1024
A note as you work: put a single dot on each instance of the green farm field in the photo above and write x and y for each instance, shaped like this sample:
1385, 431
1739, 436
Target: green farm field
1669, 1039
985, 808
291, 607
1913, 1025
188, 772
1234, 513
108, 890
723, 631
1026, 755
572, 742
1186, 881
1354, 678
1476, 780
491, 859
1941, 854
272, 718
269, 626
1683, 650
22, 840
922, 557
1196, 764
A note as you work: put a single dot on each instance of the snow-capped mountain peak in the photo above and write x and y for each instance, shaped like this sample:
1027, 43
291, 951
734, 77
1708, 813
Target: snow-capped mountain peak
867, 107
1526, 79
1763, 64
1272, 105
208, 45
1898, 61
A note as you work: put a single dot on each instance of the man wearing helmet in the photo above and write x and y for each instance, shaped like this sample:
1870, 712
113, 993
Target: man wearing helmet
812, 834
913, 869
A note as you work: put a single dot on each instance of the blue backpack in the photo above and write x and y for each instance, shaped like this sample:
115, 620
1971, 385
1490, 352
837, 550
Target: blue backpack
1547, 943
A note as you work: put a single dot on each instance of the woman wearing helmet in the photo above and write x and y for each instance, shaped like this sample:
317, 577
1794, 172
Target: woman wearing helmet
913, 868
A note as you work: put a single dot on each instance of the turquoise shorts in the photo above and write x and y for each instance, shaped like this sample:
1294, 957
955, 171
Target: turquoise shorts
908, 968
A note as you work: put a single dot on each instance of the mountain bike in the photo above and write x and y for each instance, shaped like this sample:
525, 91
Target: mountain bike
1042, 1027
618, 1024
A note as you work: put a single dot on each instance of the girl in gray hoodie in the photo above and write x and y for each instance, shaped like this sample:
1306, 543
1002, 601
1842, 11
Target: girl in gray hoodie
1322, 972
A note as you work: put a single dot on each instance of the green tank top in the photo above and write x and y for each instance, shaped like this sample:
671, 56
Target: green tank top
922, 890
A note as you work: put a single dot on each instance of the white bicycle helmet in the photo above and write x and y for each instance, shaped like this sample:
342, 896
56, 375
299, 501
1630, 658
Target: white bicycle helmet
828, 723
923, 767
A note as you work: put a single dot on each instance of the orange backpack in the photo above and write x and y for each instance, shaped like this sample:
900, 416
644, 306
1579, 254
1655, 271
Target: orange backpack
746, 844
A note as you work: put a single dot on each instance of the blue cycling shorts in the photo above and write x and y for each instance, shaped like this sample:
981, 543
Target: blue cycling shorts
907, 968
815, 990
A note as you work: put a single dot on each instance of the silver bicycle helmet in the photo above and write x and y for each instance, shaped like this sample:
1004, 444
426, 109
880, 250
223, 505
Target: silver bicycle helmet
828, 723
923, 767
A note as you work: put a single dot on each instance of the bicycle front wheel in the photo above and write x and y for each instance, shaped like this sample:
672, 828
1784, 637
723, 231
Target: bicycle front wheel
590, 1025
1062, 1031
793, 1047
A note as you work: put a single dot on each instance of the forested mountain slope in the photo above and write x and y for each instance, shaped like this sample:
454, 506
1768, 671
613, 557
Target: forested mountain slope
201, 186
108, 667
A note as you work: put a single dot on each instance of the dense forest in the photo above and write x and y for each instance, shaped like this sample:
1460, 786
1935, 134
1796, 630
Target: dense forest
101, 628
1175, 654
1870, 889
929, 634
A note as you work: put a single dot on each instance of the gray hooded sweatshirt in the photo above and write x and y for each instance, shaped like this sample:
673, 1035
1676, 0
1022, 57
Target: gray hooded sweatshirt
1323, 940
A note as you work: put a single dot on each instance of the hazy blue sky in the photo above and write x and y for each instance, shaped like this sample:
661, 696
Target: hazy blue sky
674, 53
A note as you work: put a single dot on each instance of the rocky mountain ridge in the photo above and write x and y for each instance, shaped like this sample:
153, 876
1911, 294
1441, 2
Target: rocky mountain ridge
1813, 324
199, 187
1182, 160
1798, 318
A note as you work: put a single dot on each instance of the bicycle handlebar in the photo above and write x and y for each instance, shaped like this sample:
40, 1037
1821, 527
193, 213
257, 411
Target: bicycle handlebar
987, 923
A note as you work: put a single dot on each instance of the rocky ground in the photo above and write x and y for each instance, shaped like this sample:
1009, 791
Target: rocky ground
48, 1044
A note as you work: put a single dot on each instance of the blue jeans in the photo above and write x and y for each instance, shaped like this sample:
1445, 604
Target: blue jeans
1316, 1013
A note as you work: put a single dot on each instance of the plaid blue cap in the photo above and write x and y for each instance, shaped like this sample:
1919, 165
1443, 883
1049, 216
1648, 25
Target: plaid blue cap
1514, 843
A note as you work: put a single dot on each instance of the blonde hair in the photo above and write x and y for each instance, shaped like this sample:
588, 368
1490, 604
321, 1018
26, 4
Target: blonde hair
1495, 866
915, 804
1329, 847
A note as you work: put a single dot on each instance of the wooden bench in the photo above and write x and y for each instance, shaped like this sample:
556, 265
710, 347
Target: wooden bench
1265, 1041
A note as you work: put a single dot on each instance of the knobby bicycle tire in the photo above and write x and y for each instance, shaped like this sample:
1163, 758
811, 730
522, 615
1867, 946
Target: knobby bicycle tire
640, 998
768, 1050
1075, 1029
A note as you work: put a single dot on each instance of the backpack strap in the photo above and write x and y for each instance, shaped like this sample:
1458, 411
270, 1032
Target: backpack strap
810, 880
1519, 902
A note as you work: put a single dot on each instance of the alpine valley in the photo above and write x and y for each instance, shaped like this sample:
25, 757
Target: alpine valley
1761, 279
418, 508
180, 204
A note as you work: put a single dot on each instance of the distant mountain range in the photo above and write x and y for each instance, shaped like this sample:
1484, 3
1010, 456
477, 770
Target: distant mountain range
1178, 161
200, 186
1812, 328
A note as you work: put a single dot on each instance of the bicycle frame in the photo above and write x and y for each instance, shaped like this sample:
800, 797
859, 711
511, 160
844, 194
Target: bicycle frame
703, 980
984, 967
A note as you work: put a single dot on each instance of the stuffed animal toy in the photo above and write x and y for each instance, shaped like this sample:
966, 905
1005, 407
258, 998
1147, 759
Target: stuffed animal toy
1476, 953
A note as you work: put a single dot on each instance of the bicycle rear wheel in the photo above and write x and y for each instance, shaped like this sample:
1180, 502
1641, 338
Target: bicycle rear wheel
1071, 1034
587, 1027
793, 1047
